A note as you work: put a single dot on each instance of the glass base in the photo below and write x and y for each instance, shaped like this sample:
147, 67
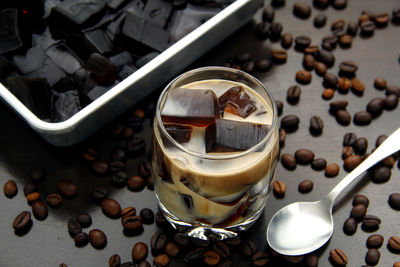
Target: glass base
209, 233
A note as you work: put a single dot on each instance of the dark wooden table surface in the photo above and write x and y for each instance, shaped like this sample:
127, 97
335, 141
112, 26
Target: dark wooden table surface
48, 242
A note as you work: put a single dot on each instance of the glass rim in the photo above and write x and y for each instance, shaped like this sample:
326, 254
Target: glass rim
206, 155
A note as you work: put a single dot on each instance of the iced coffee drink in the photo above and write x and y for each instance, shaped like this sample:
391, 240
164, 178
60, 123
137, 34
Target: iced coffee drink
215, 151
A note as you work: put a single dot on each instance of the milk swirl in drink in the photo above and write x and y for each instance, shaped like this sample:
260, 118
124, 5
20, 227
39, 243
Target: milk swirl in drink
214, 154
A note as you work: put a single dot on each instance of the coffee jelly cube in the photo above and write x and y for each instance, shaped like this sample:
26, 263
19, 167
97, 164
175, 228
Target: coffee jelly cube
96, 92
101, 69
114, 28
121, 59
65, 100
237, 102
116, 4
157, 12
180, 133
64, 58
155, 37
145, 59
126, 71
229, 136
189, 106
10, 40
98, 42
33, 60
50, 71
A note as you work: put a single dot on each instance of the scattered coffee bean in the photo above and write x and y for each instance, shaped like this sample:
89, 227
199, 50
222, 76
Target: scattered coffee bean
349, 139
347, 151
288, 161
339, 104
233, 241
158, 241
348, 66
135, 183
54, 199
303, 77
382, 18
211, 258
391, 102
128, 211
30, 188
350, 226
304, 156
372, 256
375, 241
371, 222
362, 118
132, 223
290, 123
380, 139
68, 188
279, 55
286, 40
344, 84
111, 208
316, 124
338, 24
119, 178
194, 256
279, 106
396, 264
98, 195
249, 248
144, 169
268, 13
293, 259
181, 239
320, 20
351, 162
39, 210
311, 50
367, 27
311, 260
97, 238
394, 243
352, 28
22, 221
263, 30
358, 212
360, 199
302, 10
249, 66
89, 155
394, 201
118, 154
357, 85
338, 257
328, 93
10, 189
147, 216
320, 68
330, 80
128, 264
381, 174
81, 239
276, 30
84, 220
221, 248
114, 261
32, 197
345, 40
279, 188
343, 117
62, 265
331, 170
302, 41
74, 227
326, 57
293, 94
282, 137
139, 252
135, 147
38, 174
380, 83
160, 220
376, 106
306, 186
116, 166
392, 89
318, 164
171, 249
100, 166
260, 258
388, 162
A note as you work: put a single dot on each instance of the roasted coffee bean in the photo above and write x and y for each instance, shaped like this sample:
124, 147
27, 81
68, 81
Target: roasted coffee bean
394, 243
275, 30
10, 189
132, 223
375, 106
147, 216
97, 238
114, 261
127, 133
382, 18
316, 124
392, 89
320, 68
350, 226
338, 256
396, 264
171, 249
290, 123
249, 248
302, 10
128, 264
321, 3
111, 208
349, 139
135, 183
391, 102
304, 156
362, 118
22, 221
352, 28
30, 188
62, 265
303, 77
263, 64
347, 151
260, 258
242, 57
367, 27
89, 155
81, 239
345, 40
360, 199
330, 39
32, 197
326, 57
311, 260
388, 162
330, 80
268, 13
348, 66
293, 94
308, 62
160, 220
381, 174
306, 186
222, 249
372, 256
394, 201
144, 169
375, 241
338, 24
158, 241
318, 164
39, 210
311, 50
339, 104
161, 260
150, 183
286, 40
100, 166
116, 166
117, 131
279, 188
194, 256
327, 46
339, 4
279, 55
282, 137
54, 199
293, 259
357, 86
233, 241
74, 227
263, 30
279, 106
331, 170
99, 194
139, 252
380, 83
38, 174
358, 212
278, 3
84, 220
118, 154
302, 41
135, 147
320, 20
328, 93
371, 222
181, 239
343, 117
68, 188
351, 162
249, 66
288, 161
119, 178
211, 258
128, 211
396, 15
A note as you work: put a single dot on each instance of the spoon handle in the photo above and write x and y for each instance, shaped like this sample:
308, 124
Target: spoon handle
388, 147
